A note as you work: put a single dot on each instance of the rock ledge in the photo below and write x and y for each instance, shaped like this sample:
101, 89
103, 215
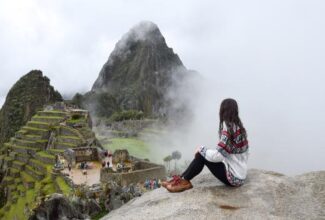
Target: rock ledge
266, 195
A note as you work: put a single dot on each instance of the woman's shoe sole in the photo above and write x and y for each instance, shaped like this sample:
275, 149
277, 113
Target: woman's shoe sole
179, 190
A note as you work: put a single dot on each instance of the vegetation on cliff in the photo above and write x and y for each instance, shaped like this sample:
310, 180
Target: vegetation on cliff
28, 95
27, 160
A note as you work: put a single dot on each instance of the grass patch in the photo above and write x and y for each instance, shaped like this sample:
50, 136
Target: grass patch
69, 137
136, 147
21, 188
19, 163
14, 170
34, 129
74, 121
45, 187
36, 172
99, 215
6, 158
48, 189
38, 123
48, 117
68, 145
8, 179
33, 136
16, 211
52, 111
25, 141
45, 154
42, 141
56, 151
25, 148
63, 185
26, 177
38, 163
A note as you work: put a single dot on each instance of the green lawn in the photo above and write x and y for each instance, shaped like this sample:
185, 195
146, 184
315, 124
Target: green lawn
136, 147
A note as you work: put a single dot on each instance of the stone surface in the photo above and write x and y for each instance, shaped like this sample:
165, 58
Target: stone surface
121, 156
266, 195
58, 207
115, 195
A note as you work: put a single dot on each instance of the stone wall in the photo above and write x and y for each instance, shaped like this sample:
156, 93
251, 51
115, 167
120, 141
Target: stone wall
121, 156
81, 154
153, 171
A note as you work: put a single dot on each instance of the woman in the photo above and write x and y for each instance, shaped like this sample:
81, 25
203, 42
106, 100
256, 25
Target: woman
228, 161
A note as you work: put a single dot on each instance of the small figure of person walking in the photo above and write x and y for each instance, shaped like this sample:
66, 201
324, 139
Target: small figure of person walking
70, 169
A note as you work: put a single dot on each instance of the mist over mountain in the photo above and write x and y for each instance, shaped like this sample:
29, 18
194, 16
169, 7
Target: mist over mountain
139, 75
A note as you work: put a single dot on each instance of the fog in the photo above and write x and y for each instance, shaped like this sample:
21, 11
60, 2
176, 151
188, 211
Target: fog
268, 55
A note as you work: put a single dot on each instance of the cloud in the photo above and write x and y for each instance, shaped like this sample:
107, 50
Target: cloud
267, 55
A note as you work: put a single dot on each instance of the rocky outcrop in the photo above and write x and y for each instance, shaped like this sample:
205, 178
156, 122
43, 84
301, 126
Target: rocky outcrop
59, 207
266, 195
29, 94
138, 75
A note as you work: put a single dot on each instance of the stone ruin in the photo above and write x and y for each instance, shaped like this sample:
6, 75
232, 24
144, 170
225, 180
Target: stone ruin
32, 156
121, 156
61, 131
134, 170
81, 154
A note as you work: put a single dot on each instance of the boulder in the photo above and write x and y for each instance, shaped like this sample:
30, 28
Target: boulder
265, 195
57, 207
119, 195
121, 156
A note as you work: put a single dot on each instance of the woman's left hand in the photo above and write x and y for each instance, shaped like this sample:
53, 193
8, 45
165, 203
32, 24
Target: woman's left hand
197, 149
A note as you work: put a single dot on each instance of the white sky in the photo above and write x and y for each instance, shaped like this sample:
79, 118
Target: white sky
269, 55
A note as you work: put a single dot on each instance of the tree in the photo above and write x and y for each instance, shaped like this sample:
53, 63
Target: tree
167, 160
77, 100
176, 155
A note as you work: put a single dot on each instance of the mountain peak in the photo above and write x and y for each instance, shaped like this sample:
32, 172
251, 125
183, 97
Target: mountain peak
140, 71
145, 32
24, 99
142, 49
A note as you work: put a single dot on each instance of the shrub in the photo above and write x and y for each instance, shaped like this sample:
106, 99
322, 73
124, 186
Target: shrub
76, 116
127, 115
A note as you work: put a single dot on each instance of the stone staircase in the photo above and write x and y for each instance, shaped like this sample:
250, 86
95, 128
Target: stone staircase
30, 160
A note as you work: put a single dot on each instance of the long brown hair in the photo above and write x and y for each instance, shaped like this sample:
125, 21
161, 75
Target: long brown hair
229, 114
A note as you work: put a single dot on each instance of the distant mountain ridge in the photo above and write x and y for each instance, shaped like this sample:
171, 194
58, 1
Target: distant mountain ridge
138, 74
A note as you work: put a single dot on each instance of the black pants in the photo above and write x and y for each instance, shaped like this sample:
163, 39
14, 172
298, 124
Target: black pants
196, 166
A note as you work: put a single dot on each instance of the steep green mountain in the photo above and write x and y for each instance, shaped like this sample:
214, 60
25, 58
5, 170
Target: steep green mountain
27, 160
27, 95
138, 75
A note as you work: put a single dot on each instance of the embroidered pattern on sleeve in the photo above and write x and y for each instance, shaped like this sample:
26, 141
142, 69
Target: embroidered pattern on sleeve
236, 145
